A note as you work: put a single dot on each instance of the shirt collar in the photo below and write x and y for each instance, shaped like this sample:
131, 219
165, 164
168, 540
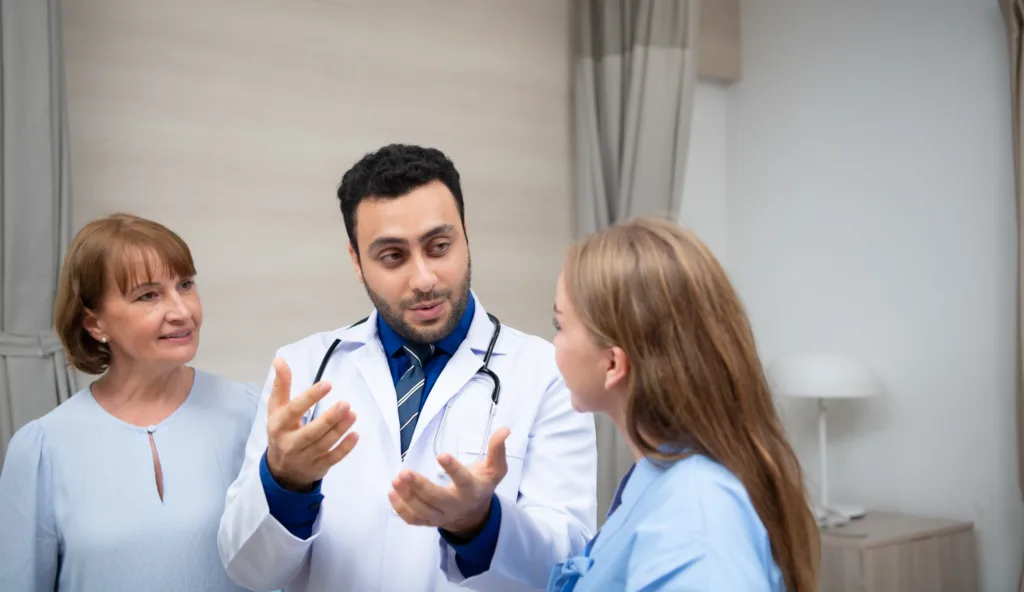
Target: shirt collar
617, 500
393, 342
649, 470
643, 473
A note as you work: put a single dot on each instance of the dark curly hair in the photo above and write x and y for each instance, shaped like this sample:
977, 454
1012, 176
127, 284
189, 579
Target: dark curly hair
394, 171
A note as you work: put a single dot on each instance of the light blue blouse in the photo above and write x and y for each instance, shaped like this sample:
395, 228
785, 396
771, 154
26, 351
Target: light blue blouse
686, 526
79, 507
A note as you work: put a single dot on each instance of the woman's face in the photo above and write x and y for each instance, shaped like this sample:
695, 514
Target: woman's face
155, 323
587, 368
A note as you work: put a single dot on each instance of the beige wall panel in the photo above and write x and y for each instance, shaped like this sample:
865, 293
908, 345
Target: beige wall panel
232, 122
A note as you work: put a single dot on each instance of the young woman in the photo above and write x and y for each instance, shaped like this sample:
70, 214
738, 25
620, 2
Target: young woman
652, 334
122, 486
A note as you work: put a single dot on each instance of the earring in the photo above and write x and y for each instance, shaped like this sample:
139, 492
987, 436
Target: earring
103, 339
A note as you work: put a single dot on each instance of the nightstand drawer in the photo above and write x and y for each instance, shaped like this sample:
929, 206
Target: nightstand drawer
886, 552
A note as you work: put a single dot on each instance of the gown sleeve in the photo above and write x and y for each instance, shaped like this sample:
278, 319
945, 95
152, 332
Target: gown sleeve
662, 561
29, 557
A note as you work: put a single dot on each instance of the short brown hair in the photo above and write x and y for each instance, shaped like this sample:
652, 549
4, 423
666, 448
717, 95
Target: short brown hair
131, 249
695, 381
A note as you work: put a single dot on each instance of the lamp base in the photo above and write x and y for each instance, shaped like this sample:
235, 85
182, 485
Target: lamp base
849, 511
837, 514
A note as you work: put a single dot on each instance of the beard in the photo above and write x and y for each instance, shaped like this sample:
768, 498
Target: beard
393, 313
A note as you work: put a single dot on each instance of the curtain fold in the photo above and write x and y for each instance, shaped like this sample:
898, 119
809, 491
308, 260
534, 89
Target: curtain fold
34, 212
635, 72
1013, 14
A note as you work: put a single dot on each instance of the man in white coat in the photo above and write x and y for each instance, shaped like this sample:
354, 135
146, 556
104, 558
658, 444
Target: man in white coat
451, 480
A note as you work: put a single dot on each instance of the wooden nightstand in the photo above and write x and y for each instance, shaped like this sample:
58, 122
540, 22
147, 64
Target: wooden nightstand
887, 552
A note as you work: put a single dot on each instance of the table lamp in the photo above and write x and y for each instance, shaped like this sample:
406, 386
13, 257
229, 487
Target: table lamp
824, 376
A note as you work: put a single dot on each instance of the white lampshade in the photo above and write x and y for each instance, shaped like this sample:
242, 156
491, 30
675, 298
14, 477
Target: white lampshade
822, 375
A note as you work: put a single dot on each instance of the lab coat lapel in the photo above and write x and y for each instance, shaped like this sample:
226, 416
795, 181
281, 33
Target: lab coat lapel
373, 366
459, 370
456, 374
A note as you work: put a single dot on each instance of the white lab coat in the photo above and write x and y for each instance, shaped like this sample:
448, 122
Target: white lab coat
548, 496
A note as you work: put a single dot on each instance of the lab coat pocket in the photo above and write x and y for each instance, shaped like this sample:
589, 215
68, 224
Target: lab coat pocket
515, 457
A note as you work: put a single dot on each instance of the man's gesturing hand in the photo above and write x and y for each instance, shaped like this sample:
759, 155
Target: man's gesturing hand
463, 507
300, 455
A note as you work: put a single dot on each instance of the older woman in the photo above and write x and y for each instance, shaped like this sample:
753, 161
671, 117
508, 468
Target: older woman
651, 334
121, 487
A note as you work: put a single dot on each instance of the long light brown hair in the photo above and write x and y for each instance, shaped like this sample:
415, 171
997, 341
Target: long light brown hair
695, 380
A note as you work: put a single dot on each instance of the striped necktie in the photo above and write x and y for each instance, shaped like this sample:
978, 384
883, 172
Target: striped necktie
410, 390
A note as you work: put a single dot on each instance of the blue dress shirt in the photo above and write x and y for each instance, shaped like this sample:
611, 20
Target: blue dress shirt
298, 511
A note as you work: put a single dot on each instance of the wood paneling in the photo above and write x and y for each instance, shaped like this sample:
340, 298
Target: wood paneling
718, 41
233, 121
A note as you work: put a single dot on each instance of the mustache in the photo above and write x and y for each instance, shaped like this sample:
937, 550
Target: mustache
422, 297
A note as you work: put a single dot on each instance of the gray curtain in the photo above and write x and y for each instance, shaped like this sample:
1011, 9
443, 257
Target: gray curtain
34, 212
635, 73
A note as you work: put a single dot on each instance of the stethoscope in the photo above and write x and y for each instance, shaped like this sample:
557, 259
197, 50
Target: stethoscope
485, 369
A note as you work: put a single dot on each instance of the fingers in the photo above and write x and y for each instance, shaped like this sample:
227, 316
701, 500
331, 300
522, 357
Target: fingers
281, 391
404, 511
425, 512
431, 493
496, 451
337, 430
462, 478
339, 452
325, 424
298, 406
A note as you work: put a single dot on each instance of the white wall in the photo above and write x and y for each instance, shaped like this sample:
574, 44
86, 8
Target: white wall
705, 186
870, 210
232, 122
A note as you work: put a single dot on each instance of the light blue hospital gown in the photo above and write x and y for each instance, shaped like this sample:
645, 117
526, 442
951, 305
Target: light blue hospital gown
79, 507
686, 526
